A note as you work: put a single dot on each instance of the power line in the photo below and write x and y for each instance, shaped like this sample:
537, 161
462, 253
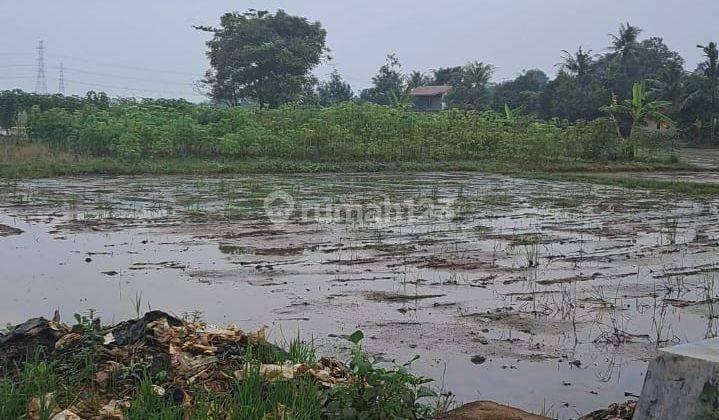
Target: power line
116, 76
11, 66
62, 67
131, 89
25, 77
41, 82
117, 65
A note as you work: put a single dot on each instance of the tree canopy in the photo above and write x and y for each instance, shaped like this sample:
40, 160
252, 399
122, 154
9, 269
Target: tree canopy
263, 57
334, 90
388, 81
266, 59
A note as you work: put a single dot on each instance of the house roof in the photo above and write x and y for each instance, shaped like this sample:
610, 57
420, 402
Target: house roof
430, 90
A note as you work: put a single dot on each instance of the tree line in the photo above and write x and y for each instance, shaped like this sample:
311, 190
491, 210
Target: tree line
264, 59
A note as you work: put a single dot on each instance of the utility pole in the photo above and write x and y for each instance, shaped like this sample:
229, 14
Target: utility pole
41, 82
61, 87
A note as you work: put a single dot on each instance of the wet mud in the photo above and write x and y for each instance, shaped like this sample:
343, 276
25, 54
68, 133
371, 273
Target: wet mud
563, 290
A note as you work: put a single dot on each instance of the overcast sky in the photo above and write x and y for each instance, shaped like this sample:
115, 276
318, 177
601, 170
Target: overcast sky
149, 48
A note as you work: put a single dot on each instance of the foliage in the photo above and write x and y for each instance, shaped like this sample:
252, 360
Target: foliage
380, 393
702, 97
578, 64
13, 102
371, 389
346, 132
334, 91
389, 80
263, 57
523, 92
266, 59
470, 85
417, 79
639, 109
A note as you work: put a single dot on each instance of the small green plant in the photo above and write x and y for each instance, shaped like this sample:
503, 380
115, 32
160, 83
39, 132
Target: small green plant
149, 404
381, 392
530, 249
301, 351
669, 229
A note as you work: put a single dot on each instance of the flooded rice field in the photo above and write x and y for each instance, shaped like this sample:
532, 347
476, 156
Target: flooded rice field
545, 295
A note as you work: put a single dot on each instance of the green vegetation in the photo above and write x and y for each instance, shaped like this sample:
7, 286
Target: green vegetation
625, 181
141, 382
347, 132
263, 57
269, 114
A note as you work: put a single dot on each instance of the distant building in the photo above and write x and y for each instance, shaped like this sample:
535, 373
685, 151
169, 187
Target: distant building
654, 126
429, 98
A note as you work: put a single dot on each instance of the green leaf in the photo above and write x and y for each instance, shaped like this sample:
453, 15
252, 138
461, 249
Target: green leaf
424, 392
356, 337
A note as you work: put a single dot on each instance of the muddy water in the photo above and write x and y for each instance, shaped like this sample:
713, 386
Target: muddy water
565, 290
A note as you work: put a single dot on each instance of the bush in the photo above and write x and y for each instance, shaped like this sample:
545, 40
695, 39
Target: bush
343, 132
128, 147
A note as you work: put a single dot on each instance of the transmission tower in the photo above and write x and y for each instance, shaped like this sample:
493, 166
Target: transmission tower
41, 83
61, 86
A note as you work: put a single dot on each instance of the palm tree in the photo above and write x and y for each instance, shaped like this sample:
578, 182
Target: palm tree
711, 71
474, 90
668, 84
639, 109
624, 53
624, 43
703, 86
417, 79
577, 64
478, 74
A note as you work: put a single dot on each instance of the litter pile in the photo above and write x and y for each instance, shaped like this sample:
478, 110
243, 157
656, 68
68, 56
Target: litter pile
617, 411
187, 357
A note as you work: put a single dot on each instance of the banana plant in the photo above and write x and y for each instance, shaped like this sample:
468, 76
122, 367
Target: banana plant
511, 114
639, 109
403, 101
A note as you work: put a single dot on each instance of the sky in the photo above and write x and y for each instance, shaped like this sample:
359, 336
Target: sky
149, 48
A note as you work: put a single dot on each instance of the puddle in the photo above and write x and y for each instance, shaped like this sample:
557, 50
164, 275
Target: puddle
559, 292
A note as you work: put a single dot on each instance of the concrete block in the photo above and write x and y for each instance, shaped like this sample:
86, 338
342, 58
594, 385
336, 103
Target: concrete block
682, 383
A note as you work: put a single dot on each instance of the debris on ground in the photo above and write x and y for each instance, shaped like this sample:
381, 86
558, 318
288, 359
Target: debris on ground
478, 359
6, 230
617, 411
188, 356
30, 336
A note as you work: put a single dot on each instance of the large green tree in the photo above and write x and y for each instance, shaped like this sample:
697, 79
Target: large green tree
389, 82
470, 85
622, 61
334, 90
522, 93
417, 79
700, 105
578, 64
263, 57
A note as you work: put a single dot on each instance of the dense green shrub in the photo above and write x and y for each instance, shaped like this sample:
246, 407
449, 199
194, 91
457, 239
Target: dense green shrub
343, 132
